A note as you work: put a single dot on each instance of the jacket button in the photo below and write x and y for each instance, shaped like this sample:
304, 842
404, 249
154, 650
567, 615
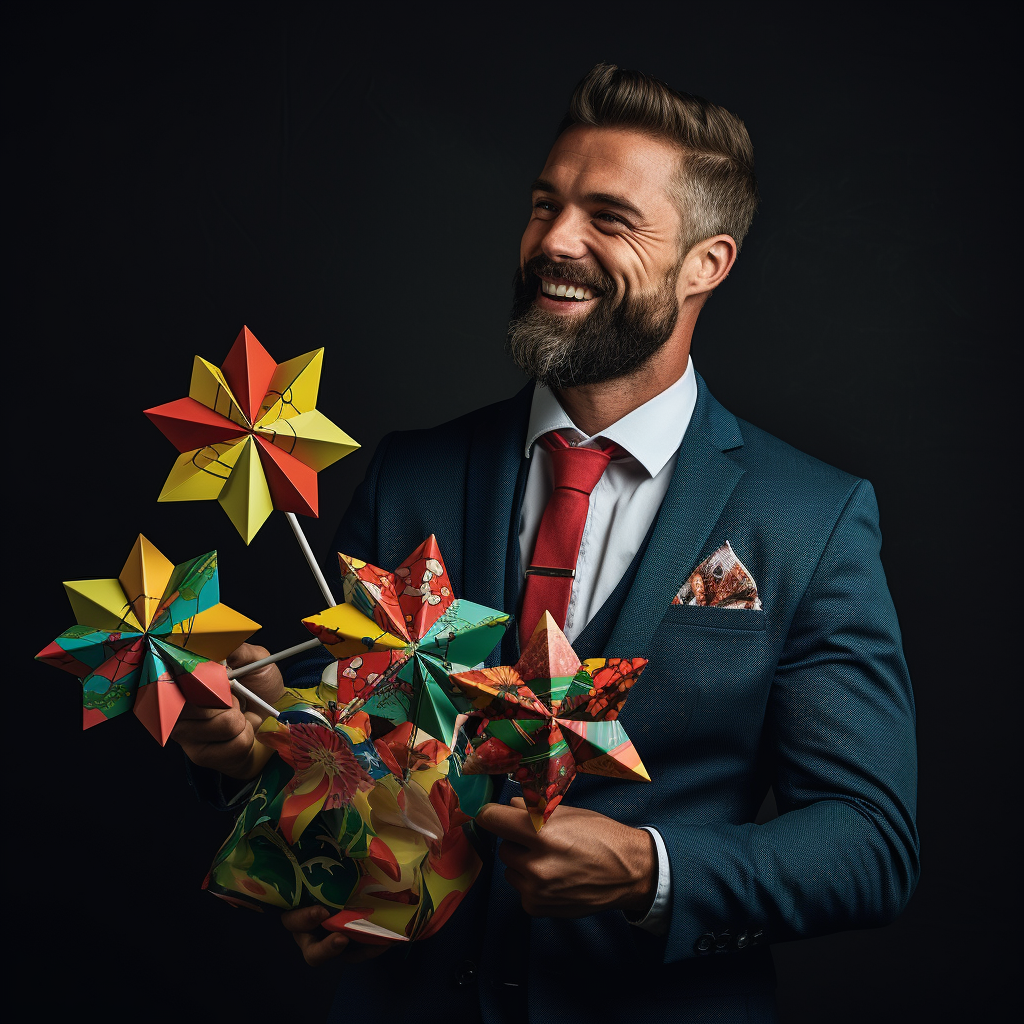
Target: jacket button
465, 974
722, 942
742, 940
757, 937
704, 943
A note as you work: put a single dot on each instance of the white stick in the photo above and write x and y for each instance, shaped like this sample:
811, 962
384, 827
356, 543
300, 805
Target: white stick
308, 552
251, 700
250, 697
270, 659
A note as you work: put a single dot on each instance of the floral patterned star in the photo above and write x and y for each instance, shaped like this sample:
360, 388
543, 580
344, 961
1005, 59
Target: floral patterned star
550, 716
399, 635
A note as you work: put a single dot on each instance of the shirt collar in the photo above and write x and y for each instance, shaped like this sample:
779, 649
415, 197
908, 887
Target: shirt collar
651, 433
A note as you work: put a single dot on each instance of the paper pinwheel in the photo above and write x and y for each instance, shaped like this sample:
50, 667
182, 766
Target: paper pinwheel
550, 716
399, 635
150, 639
250, 435
392, 861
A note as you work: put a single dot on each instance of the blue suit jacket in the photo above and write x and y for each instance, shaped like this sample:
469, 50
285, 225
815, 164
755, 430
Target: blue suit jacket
810, 695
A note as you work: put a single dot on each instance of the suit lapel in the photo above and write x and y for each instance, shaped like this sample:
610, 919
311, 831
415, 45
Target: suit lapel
703, 480
493, 473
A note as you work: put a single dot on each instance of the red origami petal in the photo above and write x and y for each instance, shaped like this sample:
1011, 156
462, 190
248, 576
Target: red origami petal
380, 854
207, 685
55, 655
292, 483
158, 705
423, 587
248, 369
188, 424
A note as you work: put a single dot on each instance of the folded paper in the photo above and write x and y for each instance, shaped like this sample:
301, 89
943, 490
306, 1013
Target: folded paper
250, 435
399, 635
370, 829
549, 716
720, 581
150, 640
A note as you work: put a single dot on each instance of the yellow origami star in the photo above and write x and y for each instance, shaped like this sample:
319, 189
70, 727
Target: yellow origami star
250, 435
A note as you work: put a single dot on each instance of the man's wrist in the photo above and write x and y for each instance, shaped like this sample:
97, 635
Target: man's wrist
642, 893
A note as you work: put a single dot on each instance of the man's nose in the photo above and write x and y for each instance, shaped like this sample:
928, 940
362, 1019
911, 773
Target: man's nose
565, 238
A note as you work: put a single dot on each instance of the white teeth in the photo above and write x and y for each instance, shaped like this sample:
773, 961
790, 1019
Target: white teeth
576, 292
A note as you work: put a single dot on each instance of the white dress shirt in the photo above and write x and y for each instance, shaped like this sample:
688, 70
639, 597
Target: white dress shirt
622, 507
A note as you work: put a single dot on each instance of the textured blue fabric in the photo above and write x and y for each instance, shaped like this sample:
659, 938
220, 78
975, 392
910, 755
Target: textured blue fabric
810, 695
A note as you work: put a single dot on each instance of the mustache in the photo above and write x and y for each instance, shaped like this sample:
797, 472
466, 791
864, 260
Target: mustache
590, 277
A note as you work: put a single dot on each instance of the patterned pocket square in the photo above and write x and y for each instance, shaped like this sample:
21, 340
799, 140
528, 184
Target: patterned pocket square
720, 581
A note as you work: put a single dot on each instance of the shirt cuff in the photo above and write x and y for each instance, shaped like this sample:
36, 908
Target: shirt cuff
656, 920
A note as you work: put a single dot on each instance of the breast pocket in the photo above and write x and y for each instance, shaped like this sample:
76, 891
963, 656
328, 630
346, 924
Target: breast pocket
707, 680
703, 617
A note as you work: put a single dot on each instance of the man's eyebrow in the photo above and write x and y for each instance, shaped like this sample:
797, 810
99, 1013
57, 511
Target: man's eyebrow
608, 198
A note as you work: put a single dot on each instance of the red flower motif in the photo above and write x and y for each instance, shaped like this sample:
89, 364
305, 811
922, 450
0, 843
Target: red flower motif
327, 774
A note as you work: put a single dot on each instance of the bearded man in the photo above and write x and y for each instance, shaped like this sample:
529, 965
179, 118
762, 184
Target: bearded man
658, 899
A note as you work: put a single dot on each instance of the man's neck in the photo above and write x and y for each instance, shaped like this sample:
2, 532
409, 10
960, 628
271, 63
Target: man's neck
593, 407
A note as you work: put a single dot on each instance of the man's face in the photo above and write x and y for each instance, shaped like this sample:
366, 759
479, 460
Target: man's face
596, 291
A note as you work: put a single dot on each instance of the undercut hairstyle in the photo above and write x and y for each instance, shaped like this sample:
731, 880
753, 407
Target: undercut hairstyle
716, 189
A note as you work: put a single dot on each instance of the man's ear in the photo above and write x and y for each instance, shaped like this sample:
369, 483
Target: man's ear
707, 265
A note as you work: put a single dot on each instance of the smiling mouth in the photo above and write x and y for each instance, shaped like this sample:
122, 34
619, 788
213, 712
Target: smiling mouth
567, 292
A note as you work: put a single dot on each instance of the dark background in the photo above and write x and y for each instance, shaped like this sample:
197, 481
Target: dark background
361, 184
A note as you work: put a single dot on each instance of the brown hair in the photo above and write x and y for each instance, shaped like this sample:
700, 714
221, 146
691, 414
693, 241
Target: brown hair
717, 188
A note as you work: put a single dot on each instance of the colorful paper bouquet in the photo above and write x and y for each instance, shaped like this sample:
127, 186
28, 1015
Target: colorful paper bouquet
370, 825
369, 829
250, 435
150, 640
399, 636
549, 716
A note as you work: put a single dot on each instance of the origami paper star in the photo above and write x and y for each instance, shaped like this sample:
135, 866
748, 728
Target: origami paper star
250, 435
399, 635
150, 639
550, 716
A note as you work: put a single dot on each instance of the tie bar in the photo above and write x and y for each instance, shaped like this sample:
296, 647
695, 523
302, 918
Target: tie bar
546, 570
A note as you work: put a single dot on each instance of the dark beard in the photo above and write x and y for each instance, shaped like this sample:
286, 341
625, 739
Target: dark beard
614, 340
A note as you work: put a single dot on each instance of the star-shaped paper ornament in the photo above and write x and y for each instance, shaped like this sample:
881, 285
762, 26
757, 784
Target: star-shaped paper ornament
549, 716
150, 640
399, 635
250, 435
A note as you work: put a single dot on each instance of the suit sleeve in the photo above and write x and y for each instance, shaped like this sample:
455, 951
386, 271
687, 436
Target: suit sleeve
840, 727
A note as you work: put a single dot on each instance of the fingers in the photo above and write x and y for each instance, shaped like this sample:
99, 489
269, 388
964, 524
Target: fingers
265, 682
318, 947
510, 823
245, 654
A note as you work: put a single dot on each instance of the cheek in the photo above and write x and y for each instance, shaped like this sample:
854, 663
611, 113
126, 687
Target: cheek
532, 237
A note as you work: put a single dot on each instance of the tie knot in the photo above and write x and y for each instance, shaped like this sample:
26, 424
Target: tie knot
577, 469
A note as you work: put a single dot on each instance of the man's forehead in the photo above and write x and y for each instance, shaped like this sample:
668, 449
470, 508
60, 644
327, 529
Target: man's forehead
586, 159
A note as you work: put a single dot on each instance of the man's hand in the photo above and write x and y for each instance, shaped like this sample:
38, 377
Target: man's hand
223, 739
319, 945
579, 863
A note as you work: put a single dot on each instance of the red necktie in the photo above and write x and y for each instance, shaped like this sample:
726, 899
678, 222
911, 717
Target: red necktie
553, 567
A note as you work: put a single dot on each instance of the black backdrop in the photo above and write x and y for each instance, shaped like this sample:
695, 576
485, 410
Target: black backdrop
361, 185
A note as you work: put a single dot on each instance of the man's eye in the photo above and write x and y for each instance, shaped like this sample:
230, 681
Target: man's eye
544, 204
610, 218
